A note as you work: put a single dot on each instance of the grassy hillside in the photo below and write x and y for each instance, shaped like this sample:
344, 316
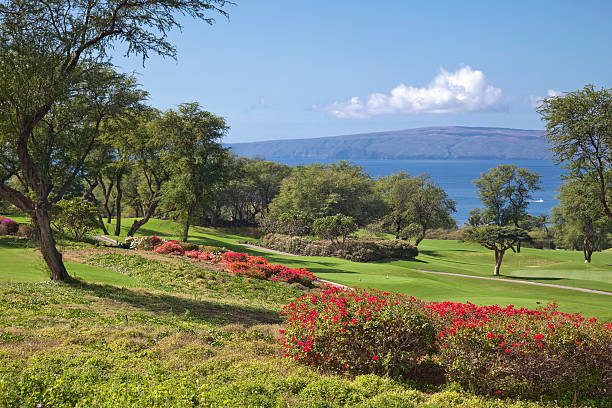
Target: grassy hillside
547, 266
140, 329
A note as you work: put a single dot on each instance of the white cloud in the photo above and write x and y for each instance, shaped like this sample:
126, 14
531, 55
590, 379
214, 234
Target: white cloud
465, 90
536, 100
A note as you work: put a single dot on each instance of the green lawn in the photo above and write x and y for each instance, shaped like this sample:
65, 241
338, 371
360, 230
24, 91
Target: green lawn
547, 266
164, 331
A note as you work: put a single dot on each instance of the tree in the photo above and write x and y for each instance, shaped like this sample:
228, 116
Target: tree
580, 222
48, 51
75, 215
476, 218
579, 130
335, 228
148, 149
416, 200
497, 239
196, 159
319, 190
505, 191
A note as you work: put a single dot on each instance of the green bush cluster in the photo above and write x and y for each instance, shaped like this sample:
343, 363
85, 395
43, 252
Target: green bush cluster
357, 250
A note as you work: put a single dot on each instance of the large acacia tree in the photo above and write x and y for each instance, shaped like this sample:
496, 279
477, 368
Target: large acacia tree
579, 130
48, 49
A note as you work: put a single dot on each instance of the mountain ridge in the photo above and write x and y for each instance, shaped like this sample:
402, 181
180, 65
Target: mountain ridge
436, 142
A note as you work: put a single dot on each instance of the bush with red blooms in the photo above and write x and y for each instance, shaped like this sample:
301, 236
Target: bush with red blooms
524, 353
359, 332
259, 268
170, 248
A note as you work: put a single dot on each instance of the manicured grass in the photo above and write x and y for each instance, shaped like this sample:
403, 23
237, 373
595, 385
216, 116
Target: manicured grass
547, 266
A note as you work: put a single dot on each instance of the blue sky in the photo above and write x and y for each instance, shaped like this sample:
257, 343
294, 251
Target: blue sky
289, 69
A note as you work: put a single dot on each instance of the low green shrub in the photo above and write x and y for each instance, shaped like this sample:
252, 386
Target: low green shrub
359, 332
189, 246
357, 250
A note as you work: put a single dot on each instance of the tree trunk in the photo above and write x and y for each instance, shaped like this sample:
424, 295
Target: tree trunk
188, 222
499, 256
47, 244
139, 223
587, 249
118, 204
421, 237
101, 222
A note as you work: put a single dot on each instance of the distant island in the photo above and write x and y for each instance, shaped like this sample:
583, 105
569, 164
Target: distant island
444, 142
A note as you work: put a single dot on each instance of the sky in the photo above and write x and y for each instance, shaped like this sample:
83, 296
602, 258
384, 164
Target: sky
288, 69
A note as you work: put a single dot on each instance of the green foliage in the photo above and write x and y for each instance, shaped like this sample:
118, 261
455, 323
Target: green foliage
580, 222
196, 159
579, 129
505, 192
497, 239
77, 216
295, 223
357, 250
415, 200
250, 186
320, 190
335, 228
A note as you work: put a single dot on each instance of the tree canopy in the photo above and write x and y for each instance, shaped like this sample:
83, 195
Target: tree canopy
53, 56
496, 238
579, 131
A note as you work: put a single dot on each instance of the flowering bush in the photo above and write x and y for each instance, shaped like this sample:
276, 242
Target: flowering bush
144, 243
359, 332
522, 352
8, 227
170, 248
259, 268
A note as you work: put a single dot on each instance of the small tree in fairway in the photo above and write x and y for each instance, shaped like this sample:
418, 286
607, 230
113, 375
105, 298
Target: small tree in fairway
497, 239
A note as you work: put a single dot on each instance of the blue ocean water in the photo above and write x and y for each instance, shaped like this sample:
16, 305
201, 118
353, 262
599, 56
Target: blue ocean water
455, 177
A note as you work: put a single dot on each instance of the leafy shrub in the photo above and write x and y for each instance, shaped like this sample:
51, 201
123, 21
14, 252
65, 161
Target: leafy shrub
170, 248
144, 243
526, 353
26, 231
357, 250
189, 246
359, 332
294, 223
335, 228
77, 216
8, 227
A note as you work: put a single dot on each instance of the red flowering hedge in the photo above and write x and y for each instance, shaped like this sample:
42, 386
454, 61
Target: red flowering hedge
522, 352
259, 268
358, 332
170, 248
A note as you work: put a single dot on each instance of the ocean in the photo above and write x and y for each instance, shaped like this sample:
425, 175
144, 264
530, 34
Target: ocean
455, 177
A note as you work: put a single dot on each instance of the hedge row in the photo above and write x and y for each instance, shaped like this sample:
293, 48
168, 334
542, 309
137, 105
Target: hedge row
356, 250
537, 354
